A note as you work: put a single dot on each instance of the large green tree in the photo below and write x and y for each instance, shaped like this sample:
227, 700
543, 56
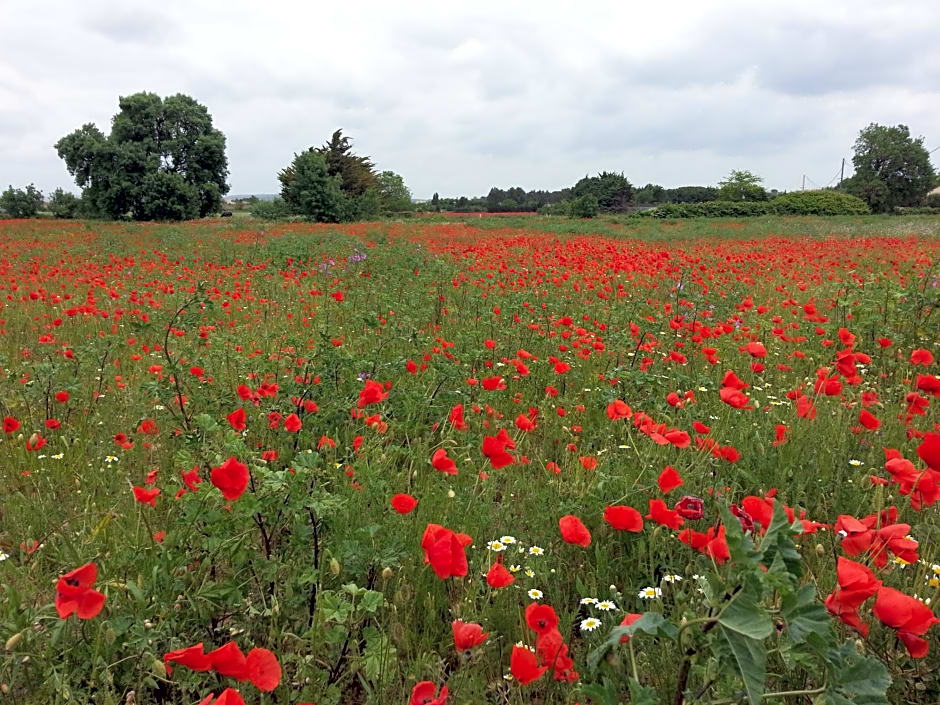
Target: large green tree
356, 173
741, 186
891, 168
163, 160
21, 203
394, 196
612, 191
310, 190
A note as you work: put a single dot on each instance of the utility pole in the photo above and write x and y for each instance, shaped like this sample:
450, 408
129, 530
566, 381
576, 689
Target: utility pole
803, 187
842, 173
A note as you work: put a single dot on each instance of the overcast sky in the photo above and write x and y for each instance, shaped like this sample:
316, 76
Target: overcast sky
534, 94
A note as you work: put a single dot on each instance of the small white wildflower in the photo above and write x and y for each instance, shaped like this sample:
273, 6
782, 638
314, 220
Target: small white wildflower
590, 624
650, 593
536, 551
58, 456
529, 573
588, 600
673, 578
496, 546
606, 605
515, 568
508, 540
855, 462
3, 556
534, 594
110, 459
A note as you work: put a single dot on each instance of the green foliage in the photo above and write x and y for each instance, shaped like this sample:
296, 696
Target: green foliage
932, 200
709, 209
612, 191
163, 160
356, 173
585, 206
394, 196
891, 168
275, 209
818, 203
309, 190
21, 203
64, 204
739, 637
741, 186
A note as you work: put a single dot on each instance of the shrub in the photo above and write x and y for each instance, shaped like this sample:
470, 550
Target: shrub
819, 203
583, 207
276, 209
21, 203
710, 209
64, 204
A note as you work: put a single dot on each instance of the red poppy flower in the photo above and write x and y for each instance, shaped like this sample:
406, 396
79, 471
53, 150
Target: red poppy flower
494, 448
237, 419
293, 423
662, 514
524, 666
424, 694
541, 618
669, 480
192, 657
618, 409
229, 696
734, 398
911, 617
690, 507
62, 397
228, 660
929, 450
467, 635
492, 384
456, 417
149, 427
574, 531
263, 669
371, 393
498, 577
145, 496
74, 593
404, 503
231, 478
10, 425
441, 462
624, 518
868, 420
444, 551
921, 356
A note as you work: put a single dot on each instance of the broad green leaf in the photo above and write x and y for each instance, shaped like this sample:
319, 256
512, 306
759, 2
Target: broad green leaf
740, 546
804, 615
750, 656
779, 541
744, 616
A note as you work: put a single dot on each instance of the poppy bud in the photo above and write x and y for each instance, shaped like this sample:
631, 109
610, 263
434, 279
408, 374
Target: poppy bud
109, 635
158, 668
387, 573
13, 641
657, 531
4, 688
334, 566
820, 550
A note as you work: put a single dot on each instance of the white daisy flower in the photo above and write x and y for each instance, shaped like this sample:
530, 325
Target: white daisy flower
58, 456
590, 624
529, 573
673, 578
534, 594
536, 551
588, 600
3, 556
110, 459
606, 605
855, 462
650, 593
515, 568
496, 546
508, 540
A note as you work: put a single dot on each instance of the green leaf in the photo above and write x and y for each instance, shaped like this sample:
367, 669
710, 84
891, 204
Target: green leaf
855, 678
779, 541
372, 601
642, 694
744, 616
740, 546
750, 657
804, 615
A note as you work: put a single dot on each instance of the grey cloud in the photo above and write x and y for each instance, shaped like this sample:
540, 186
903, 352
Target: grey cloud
134, 26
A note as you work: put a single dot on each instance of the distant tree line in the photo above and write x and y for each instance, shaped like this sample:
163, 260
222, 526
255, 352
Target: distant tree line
163, 159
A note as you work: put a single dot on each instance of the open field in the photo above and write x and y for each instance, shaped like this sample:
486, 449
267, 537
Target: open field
326, 443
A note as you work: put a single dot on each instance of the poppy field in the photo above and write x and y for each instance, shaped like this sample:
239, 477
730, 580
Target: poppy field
494, 460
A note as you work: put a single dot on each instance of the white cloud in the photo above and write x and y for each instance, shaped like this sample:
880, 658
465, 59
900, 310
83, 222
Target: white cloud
460, 98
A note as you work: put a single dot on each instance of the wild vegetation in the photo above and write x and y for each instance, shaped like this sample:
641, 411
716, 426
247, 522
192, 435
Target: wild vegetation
508, 460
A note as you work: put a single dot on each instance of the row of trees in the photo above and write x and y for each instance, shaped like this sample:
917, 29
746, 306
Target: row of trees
163, 159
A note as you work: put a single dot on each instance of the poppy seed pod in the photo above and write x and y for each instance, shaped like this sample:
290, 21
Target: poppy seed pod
334, 566
13, 641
